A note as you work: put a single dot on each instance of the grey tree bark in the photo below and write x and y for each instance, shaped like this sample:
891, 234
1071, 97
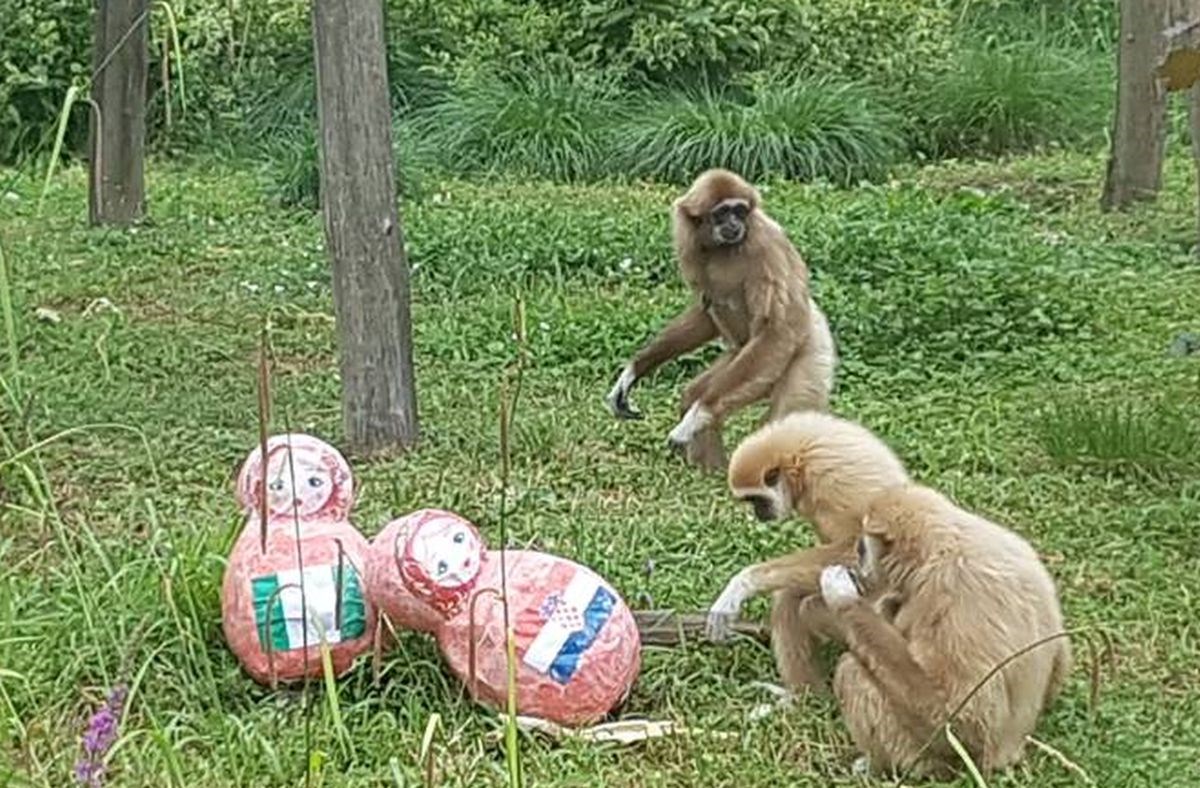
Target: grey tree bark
362, 228
117, 131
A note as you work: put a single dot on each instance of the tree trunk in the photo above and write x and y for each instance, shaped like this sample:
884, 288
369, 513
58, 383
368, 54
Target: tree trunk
117, 132
1139, 126
362, 228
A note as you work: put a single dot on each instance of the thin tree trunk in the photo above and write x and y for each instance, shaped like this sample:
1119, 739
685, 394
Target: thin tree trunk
362, 228
1139, 125
117, 133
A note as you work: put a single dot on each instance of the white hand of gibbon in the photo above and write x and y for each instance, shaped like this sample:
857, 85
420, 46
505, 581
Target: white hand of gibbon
696, 419
838, 587
725, 610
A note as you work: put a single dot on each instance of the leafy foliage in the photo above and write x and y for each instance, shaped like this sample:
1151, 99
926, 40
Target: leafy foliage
803, 130
1015, 97
44, 48
552, 122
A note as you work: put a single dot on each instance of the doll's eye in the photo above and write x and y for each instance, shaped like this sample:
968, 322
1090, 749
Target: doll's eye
459, 537
277, 485
442, 567
315, 481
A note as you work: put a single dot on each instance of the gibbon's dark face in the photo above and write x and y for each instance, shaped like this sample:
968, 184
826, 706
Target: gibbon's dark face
727, 222
770, 501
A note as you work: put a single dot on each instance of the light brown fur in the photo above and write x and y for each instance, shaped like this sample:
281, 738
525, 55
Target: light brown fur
826, 470
752, 294
971, 594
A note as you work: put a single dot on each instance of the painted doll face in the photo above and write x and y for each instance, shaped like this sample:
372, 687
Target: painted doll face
449, 554
305, 478
308, 490
442, 558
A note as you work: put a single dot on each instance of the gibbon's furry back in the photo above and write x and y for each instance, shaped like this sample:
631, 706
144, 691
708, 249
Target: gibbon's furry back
971, 594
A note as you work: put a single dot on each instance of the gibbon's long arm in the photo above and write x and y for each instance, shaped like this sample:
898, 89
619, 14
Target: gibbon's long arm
883, 651
798, 572
687, 332
777, 331
751, 375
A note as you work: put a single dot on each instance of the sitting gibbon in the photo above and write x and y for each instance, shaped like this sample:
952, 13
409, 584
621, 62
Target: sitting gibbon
966, 594
826, 470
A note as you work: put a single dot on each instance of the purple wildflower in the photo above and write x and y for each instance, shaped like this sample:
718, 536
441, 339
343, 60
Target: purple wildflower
99, 737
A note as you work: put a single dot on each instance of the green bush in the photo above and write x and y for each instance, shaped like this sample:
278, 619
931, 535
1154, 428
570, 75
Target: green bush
551, 121
44, 48
995, 100
803, 130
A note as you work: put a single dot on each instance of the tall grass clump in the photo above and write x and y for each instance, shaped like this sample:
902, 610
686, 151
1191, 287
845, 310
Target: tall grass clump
550, 121
1142, 438
803, 130
997, 99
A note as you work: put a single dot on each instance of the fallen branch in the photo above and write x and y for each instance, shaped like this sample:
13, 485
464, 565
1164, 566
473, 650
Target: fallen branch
672, 628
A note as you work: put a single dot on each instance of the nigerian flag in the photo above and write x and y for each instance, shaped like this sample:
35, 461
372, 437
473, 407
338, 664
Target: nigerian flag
279, 594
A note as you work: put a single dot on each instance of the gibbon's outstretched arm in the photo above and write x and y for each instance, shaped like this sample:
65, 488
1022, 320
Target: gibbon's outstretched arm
687, 332
798, 572
777, 333
883, 652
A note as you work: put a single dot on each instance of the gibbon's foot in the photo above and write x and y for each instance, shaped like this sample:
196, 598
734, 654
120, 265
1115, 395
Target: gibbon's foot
696, 419
617, 398
723, 612
838, 587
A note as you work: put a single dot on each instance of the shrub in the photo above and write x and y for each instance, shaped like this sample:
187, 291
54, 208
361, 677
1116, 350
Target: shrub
995, 100
803, 130
550, 121
44, 48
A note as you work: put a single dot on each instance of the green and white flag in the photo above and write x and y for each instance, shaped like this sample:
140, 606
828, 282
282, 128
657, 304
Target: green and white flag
280, 593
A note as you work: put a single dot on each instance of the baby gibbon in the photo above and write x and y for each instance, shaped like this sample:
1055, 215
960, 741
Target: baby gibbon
825, 469
969, 594
751, 291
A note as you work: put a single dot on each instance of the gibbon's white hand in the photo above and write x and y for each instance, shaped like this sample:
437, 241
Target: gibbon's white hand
618, 396
838, 587
696, 419
723, 612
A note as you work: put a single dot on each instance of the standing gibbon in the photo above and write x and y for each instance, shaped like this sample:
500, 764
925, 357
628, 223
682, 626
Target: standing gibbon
826, 470
969, 593
751, 290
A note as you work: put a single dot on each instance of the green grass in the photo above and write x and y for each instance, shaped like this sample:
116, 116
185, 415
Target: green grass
808, 129
551, 122
112, 554
1010, 97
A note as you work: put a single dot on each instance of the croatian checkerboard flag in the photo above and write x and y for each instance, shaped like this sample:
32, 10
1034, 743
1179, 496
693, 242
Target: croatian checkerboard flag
574, 620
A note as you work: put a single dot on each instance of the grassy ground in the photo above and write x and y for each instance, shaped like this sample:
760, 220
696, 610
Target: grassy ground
1008, 340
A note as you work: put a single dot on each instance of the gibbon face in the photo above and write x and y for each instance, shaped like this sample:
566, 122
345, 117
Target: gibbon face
719, 207
816, 465
771, 499
727, 222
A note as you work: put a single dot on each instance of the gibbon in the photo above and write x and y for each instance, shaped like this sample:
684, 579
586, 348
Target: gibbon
970, 593
825, 469
751, 291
